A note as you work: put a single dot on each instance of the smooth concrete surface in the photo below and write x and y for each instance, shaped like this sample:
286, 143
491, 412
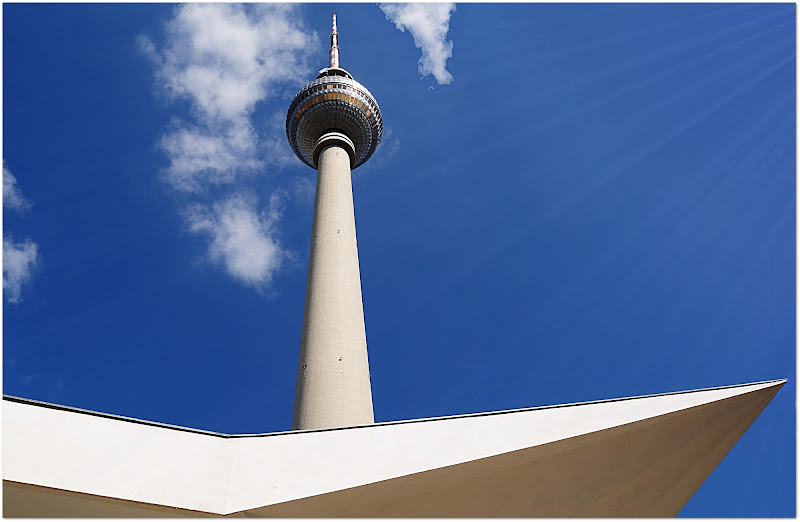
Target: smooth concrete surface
649, 468
333, 381
642, 456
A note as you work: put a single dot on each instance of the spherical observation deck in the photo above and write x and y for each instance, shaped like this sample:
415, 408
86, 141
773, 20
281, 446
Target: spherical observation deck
334, 101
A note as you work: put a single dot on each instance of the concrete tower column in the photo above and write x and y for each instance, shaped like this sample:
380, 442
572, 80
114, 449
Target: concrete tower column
333, 382
333, 125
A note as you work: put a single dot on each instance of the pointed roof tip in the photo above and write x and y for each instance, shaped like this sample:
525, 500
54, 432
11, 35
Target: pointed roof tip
772, 387
772, 383
782, 380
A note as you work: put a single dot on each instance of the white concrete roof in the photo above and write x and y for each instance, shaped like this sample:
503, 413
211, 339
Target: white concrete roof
642, 456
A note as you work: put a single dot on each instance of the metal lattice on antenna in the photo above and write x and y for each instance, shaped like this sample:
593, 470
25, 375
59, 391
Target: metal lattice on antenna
334, 101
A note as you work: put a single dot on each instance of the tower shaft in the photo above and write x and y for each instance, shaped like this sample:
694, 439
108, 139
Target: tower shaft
333, 382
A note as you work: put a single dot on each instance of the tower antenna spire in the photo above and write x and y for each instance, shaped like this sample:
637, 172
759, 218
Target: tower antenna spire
334, 45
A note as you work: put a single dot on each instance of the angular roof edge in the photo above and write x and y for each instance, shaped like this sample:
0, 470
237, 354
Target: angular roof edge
120, 458
72, 409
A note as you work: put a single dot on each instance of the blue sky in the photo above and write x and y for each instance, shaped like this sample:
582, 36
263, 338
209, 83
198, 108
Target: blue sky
570, 202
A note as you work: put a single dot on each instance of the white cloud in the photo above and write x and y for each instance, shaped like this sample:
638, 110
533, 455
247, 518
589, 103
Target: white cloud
201, 156
428, 23
19, 261
12, 195
224, 59
242, 238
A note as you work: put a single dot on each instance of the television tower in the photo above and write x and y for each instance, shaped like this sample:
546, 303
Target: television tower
333, 125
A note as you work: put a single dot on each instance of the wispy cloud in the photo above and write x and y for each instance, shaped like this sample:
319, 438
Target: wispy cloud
19, 261
303, 190
242, 238
203, 157
428, 23
276, 148
225, 59
390, 144
19, 258
12, 195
